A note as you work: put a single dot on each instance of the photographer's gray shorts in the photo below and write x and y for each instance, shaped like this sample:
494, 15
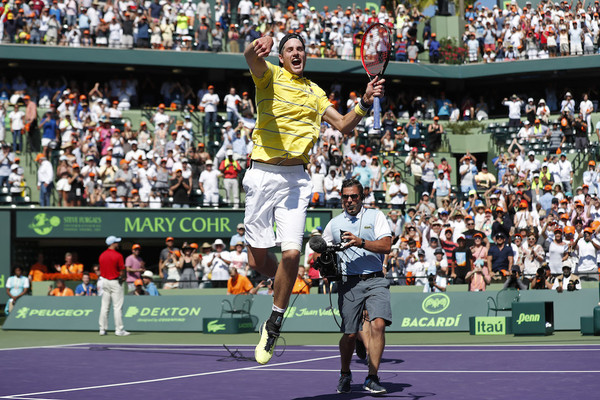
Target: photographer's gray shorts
356, 295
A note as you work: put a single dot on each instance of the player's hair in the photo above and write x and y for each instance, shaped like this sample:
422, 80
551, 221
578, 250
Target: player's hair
288, 37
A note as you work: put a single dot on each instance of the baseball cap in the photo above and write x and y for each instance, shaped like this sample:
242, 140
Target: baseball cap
136, 246
421, 252
315, 232
208, 162
112, 239
472, 191
240, 226
229, 152
425, 194
138, 282
148, 274
169, 239
531, 153
438, 251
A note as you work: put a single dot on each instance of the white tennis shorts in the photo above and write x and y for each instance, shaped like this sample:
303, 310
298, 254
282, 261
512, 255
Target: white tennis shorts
276, 196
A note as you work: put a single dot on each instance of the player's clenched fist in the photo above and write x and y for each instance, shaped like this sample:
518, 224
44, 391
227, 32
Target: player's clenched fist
262, 46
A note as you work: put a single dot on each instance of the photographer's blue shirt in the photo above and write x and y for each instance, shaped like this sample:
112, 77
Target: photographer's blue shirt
368, 224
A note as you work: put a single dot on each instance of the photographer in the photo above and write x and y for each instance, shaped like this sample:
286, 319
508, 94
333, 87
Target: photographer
514, 280
366, 237
438, 280
540, 281
567, 281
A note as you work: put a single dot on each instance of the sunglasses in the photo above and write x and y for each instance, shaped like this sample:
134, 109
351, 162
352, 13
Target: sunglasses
350, 196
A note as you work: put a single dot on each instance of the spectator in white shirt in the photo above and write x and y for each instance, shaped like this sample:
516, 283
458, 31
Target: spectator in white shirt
514, 110
587, 249
333, 188
209, 102
45, 180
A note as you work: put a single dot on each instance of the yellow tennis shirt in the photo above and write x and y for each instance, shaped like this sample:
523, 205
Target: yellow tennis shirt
289, 109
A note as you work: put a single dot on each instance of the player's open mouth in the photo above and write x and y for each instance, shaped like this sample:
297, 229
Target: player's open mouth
296, 62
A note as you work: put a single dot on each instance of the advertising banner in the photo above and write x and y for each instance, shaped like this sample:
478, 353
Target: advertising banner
416, 312
100, 223
5, 249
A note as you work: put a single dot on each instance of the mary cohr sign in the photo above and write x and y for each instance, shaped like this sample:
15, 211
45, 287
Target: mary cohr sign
98, 223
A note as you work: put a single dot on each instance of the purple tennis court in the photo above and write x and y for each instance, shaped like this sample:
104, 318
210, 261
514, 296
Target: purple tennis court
94, 371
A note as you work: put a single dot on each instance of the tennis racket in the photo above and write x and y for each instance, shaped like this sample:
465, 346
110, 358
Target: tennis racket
375, 51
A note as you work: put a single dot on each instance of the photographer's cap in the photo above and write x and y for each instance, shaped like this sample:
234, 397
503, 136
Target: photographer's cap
566, 265
421, 252
439, 250
315, 232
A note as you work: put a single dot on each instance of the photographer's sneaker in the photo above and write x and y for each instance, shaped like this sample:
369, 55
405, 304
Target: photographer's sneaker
264, 350
372, 385
122, 333
361, 350
344, 383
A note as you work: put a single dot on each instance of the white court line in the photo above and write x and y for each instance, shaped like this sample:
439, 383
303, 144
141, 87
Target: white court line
142, 349
27, 398
55, 346
18, 396
336, 346
419, 371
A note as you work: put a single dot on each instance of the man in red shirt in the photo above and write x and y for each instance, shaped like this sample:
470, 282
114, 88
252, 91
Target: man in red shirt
112, 269
230, 169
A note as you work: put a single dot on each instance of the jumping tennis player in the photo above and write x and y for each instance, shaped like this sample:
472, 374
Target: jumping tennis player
278, 188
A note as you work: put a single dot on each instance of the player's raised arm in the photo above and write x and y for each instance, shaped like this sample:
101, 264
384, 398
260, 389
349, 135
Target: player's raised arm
346, 123
255, 55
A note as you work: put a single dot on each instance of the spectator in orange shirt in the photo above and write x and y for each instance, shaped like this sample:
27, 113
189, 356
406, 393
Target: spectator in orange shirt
70, 267
239, 284
60, 289
37, 270
302, 284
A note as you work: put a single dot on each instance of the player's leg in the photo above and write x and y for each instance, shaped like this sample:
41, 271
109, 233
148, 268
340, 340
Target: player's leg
262, 260
286, 277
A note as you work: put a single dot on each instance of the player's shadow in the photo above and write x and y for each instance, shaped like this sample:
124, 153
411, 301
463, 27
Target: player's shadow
395, 390
383, 361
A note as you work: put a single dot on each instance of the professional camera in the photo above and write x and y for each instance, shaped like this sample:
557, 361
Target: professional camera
539, 281
431, 279
570, 286
326, 263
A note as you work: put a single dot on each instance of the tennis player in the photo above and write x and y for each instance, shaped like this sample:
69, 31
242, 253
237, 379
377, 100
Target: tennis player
278, 189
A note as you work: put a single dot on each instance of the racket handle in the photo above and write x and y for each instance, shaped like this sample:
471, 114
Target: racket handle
376, 114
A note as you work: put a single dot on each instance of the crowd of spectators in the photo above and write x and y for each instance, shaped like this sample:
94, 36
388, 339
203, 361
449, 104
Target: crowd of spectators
551, 29
187, 25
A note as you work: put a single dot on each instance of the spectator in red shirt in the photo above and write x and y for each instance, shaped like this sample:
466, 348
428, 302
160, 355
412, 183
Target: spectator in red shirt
112, 269
231, 169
